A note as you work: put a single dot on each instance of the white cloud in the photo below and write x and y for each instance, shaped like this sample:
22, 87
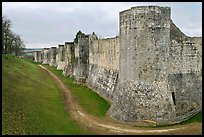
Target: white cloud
41, 45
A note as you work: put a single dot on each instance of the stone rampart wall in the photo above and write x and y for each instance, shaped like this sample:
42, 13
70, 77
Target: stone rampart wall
150, 71
103, 66
185, 71
105, 53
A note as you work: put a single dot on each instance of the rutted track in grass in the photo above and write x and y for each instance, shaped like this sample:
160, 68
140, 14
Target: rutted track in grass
101, 126
89, 100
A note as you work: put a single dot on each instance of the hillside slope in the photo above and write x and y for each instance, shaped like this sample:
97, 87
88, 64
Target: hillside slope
31, 101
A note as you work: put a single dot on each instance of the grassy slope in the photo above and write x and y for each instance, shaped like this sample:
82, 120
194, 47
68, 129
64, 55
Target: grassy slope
31, 101
90, 101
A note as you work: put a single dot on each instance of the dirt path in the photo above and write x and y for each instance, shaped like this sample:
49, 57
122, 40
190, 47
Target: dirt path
109, 126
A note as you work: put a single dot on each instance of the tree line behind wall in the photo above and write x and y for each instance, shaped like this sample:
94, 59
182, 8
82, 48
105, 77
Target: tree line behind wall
11, 42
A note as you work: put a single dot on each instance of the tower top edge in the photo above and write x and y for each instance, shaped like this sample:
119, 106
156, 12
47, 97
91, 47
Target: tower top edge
152, 7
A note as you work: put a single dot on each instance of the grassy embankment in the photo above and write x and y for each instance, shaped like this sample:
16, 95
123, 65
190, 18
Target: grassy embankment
32, 102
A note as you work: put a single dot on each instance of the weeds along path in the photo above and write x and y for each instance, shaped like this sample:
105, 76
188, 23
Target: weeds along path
103, 126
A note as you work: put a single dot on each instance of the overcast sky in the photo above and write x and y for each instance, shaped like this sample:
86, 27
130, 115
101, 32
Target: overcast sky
46, 24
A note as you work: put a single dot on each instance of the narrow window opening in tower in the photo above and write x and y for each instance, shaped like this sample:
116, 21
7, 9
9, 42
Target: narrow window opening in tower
173, 96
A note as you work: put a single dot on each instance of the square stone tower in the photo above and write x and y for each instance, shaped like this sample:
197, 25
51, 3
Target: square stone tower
45, 56
82, 58
69, 59
53, 53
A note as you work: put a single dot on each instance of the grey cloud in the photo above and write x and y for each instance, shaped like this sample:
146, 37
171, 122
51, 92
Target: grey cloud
59, 22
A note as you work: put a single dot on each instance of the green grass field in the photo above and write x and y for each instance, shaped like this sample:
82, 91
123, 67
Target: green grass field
32, 102
90, 101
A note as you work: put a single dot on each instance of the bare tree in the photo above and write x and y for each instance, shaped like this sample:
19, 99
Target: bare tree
17, 44
6, 24
11, 42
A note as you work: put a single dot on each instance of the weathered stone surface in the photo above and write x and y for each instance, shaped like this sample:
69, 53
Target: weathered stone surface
82, 58
188, 91
45, 56
61, 57
185, 53
52, 52
185, 71
104, 52
37, 56
69, 59
102, 80
138, 100
103, 65
144, 44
